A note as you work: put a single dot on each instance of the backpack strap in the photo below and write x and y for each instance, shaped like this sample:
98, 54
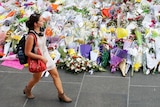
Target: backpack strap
35, 39
34, 35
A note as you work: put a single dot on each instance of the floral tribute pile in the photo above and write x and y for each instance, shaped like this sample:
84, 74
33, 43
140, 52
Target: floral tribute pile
78, 64
89, 35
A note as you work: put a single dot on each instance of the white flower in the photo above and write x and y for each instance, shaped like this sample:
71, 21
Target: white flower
79, 64
71, 61
68, 65
76, 64
72, 67
94, 64
78, 59
76, 70
89, 65
69, 58
87, 59
83, 62
61, 60
83, 68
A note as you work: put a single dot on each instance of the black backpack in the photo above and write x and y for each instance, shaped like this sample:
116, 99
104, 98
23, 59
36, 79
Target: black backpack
20, 49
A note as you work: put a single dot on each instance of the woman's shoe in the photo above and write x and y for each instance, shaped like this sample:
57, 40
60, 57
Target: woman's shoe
64, 98
28, 93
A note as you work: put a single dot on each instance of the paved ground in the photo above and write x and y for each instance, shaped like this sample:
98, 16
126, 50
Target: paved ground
103, 89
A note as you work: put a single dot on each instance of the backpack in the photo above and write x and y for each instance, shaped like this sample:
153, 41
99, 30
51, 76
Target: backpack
20, 49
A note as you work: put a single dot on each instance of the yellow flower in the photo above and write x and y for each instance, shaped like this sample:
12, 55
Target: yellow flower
2, 17
136, 66
80, 41
71, 52
26, 65
112, 29
16, 37
53, 55
146, 31
138, 1
22, 11
104, 42
121, 33
103, 29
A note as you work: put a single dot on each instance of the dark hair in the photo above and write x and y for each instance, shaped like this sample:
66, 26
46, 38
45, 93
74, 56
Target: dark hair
32, 19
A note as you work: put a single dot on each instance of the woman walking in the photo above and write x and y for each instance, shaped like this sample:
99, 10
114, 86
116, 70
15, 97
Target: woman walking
34, 24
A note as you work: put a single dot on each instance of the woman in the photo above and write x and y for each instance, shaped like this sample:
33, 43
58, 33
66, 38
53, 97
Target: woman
34, 24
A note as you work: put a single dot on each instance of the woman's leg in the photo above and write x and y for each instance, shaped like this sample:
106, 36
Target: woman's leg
36, 77
57, 82
56, 79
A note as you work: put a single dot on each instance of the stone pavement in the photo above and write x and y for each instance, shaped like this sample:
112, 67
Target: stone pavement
102, 89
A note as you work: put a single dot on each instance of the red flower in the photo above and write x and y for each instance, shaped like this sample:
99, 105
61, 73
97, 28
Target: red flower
149, 0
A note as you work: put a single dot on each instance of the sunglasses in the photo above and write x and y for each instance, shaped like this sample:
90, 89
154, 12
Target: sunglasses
35, 14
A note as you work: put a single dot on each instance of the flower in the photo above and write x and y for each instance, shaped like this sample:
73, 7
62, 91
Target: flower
78, 64
16, 37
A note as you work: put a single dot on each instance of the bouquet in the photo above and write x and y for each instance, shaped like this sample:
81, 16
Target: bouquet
78, 64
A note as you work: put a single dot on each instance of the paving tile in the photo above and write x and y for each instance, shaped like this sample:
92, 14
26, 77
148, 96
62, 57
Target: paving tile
144, 96
11, 88
102, 89
141, 79
67, 76
109, 73
46, 95
103, 92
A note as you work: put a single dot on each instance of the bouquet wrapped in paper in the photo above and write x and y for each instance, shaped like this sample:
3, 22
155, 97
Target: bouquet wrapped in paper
85, 50
116, 57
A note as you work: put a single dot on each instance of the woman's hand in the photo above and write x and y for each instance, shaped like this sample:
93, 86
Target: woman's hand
44, 59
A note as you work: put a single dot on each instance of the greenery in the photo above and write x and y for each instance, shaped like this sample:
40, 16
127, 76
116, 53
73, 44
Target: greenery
84, 11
